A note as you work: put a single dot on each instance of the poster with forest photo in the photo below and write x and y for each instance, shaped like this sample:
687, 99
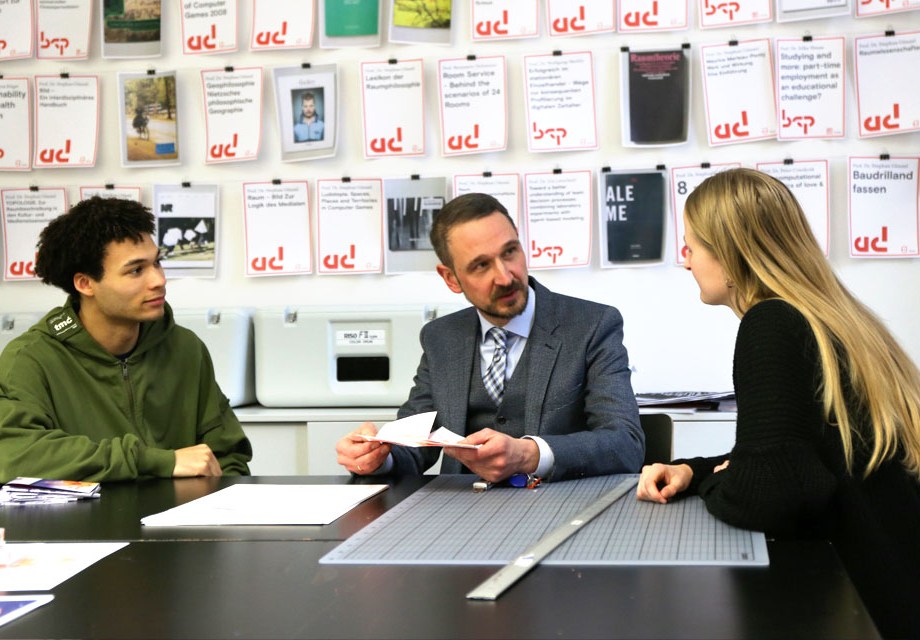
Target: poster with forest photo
130, 28
149, 119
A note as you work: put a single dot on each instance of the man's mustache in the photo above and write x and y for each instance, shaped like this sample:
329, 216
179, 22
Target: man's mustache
504, 291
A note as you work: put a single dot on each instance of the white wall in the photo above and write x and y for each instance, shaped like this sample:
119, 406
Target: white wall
675, 342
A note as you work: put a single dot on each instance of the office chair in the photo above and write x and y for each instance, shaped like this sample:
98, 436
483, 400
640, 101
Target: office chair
658, 428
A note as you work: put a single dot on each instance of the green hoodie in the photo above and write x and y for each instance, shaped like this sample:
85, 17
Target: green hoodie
70, 410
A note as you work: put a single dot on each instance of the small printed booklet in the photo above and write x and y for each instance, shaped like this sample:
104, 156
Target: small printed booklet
12, 607
41, 491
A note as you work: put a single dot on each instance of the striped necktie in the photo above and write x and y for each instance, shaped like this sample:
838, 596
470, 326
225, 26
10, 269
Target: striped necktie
494, 378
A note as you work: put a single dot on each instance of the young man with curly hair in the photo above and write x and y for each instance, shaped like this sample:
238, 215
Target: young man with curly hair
108, 387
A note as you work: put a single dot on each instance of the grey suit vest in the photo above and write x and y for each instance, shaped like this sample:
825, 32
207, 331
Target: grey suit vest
508, 417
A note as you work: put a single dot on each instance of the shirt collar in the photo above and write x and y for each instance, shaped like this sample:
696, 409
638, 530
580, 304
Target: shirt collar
520, 324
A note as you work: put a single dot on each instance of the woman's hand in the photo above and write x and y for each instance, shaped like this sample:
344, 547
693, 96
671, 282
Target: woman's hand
661, 482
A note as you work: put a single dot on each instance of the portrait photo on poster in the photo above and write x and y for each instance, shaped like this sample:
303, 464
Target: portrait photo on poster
306, 106
149, 119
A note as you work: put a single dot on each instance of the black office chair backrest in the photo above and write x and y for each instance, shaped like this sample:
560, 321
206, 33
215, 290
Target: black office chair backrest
658, 428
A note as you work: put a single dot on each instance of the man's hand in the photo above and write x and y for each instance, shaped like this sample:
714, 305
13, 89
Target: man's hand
661, 482
198, 460
359, 455
499, 457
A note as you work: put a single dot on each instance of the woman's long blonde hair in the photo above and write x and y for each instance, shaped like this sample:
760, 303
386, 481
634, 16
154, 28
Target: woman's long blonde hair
755, 228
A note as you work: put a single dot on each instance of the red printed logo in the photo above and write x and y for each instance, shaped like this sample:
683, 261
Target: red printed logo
344, 261
265, 38
496, 27
576, 23
275, 263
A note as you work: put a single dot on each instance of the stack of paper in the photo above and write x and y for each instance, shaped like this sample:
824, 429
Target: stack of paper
669, 398
267, 504
21, 491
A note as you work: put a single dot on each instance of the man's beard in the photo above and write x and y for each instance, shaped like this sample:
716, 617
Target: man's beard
498, 311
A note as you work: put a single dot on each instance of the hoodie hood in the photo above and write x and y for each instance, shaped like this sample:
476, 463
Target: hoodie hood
64, 325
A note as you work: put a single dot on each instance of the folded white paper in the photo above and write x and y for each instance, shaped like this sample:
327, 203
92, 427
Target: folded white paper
415, 431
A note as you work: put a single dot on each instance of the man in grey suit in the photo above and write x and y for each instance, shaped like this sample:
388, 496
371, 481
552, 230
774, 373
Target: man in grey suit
539, 380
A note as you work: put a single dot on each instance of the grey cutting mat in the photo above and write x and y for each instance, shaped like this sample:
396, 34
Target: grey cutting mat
445, 522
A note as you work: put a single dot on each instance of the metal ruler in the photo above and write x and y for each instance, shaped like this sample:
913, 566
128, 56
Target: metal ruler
502, 579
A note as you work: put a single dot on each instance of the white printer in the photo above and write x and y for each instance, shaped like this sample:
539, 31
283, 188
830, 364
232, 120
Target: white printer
338, 356
14, 323
228, 335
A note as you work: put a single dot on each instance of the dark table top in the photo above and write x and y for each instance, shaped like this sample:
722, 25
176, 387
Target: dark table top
277, 589
117, 514
266, 582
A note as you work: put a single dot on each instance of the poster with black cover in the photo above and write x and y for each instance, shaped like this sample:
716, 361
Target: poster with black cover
655, 96
632, 217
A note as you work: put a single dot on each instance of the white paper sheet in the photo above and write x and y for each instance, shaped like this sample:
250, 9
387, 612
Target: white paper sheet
209, 27
810, 83
869, 8
17, 19
64, 29
267, 504
25, 214
652, 15
558, 219
474, 106
394, 108
727, 13
349, 226
277, 228
560, 101
504, 19
887, 98
415, 431
884, 212
579, 18
281, 25
809, 182
41, 566
232, 113
15, 124
504, 187
738, 87
66, 121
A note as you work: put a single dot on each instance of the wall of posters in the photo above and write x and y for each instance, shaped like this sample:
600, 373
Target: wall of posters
360, 105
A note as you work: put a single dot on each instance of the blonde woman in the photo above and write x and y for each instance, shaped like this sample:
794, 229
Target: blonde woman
828, 432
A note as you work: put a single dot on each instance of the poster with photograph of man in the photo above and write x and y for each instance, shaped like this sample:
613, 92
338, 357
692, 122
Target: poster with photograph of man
187, 228
411, 207
306, 105
130, 28
149, 119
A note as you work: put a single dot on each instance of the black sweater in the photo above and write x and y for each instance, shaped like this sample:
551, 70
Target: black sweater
788, 478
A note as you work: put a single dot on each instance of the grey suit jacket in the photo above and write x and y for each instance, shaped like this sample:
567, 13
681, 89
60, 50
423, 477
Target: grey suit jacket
579, 398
